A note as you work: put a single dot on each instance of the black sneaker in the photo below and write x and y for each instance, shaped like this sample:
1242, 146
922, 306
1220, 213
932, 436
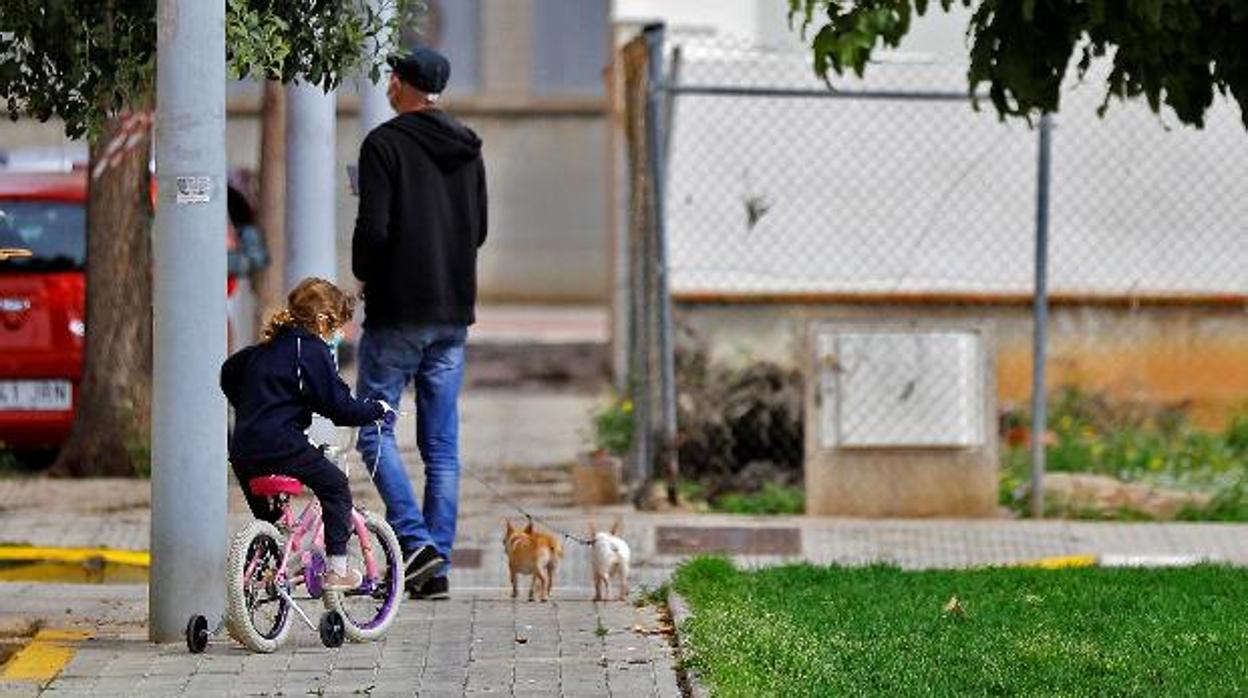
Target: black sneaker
421, 565
436, 589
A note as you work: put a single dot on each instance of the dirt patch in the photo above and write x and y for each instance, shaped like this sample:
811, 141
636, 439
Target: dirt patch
739, 428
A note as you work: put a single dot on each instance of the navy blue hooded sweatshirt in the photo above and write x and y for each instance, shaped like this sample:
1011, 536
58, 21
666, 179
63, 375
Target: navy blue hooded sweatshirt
275, 386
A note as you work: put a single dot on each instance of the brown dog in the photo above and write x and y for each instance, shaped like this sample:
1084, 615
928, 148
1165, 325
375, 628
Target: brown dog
532, 552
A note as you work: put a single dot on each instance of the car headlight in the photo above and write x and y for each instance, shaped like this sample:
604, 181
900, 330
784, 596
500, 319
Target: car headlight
77, 327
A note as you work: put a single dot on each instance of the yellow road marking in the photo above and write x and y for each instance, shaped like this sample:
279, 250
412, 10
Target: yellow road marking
137, 558
45, 656
92, 572
1060, 562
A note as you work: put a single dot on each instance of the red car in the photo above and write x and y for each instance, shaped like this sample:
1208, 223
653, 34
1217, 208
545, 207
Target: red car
43, 302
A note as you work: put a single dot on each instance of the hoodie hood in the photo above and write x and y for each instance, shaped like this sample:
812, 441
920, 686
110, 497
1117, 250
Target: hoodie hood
447, 142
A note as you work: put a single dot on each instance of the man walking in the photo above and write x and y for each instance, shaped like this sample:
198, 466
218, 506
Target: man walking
422, 217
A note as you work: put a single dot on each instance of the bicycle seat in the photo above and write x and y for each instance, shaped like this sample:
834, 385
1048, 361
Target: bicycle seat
273, 485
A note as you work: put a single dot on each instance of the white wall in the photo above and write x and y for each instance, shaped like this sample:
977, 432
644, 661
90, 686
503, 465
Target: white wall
735, 17
766, 22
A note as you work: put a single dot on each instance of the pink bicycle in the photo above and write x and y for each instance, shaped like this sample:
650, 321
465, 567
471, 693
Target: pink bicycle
270, 567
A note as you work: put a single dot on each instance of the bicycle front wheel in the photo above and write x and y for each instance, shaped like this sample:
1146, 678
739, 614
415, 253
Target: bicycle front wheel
256, 612
367, 612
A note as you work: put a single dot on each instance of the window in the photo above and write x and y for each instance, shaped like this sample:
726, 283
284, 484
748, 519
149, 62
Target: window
55, 232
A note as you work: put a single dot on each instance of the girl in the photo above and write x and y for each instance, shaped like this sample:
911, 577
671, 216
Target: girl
275, 386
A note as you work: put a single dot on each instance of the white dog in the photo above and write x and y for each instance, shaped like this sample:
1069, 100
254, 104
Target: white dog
610, 558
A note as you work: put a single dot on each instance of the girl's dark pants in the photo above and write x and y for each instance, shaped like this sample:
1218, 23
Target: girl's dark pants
326, 481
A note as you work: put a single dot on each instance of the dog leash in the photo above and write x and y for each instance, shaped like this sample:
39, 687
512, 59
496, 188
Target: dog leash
484, 483
511, 503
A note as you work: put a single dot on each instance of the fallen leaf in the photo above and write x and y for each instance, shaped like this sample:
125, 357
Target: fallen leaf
954, 606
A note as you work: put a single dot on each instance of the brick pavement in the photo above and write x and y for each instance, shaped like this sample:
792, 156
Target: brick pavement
478, 643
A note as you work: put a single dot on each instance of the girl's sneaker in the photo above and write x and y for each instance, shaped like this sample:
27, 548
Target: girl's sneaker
345, 582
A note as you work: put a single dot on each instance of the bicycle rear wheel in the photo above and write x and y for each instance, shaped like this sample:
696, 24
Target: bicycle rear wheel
367, 612
256, 614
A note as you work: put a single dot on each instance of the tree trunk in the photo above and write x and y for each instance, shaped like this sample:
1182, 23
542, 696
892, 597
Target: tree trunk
269, 281
112, 420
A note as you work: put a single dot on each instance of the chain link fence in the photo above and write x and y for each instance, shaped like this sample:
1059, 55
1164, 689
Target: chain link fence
784, 202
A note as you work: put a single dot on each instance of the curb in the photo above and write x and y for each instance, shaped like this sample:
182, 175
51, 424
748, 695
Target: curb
681, 613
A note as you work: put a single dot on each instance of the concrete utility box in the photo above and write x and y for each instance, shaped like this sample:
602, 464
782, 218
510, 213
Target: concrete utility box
901, 419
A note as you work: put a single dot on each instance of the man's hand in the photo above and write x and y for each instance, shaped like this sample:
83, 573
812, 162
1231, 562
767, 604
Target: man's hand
388, 416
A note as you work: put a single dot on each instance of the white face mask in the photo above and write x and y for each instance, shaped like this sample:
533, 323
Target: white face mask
335, 340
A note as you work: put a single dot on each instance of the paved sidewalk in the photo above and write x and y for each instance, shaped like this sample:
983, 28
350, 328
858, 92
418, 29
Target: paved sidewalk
479, 643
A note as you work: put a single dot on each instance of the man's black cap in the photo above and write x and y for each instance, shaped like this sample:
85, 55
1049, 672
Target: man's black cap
422, 68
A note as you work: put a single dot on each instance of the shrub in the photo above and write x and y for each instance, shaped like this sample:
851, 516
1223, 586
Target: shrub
771, 499
613, 426
1134, 442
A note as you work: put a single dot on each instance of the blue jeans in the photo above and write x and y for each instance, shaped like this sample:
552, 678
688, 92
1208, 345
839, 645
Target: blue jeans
431, 357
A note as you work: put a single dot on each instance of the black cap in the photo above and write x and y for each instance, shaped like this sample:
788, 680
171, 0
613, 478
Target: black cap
422, 68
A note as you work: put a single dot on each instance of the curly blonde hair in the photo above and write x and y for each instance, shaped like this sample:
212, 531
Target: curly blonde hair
314, 304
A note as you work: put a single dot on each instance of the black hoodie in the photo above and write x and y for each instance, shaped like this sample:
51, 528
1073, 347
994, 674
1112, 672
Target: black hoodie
422, 217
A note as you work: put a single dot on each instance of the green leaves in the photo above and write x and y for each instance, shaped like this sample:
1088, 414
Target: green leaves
847, 40
257, 41
1171, 52
80, 61
322, 43
87, 61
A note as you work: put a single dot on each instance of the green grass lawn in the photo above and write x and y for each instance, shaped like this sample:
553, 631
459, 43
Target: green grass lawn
819, 631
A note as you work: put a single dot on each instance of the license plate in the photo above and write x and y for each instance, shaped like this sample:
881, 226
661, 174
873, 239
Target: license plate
36, 395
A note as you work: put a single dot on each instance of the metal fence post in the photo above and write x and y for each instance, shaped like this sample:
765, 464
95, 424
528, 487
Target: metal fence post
657, 155
1039, 418
188, 530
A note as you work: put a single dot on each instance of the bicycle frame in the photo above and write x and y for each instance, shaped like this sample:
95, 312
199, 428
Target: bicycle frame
309, 523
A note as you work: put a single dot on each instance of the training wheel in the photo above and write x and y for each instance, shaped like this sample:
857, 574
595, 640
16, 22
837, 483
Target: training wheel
333, 630
197, 634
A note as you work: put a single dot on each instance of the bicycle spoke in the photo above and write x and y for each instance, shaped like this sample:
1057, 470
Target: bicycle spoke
266, 609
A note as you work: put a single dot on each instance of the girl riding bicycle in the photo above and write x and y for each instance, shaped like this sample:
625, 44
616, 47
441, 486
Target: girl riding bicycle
274, 387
